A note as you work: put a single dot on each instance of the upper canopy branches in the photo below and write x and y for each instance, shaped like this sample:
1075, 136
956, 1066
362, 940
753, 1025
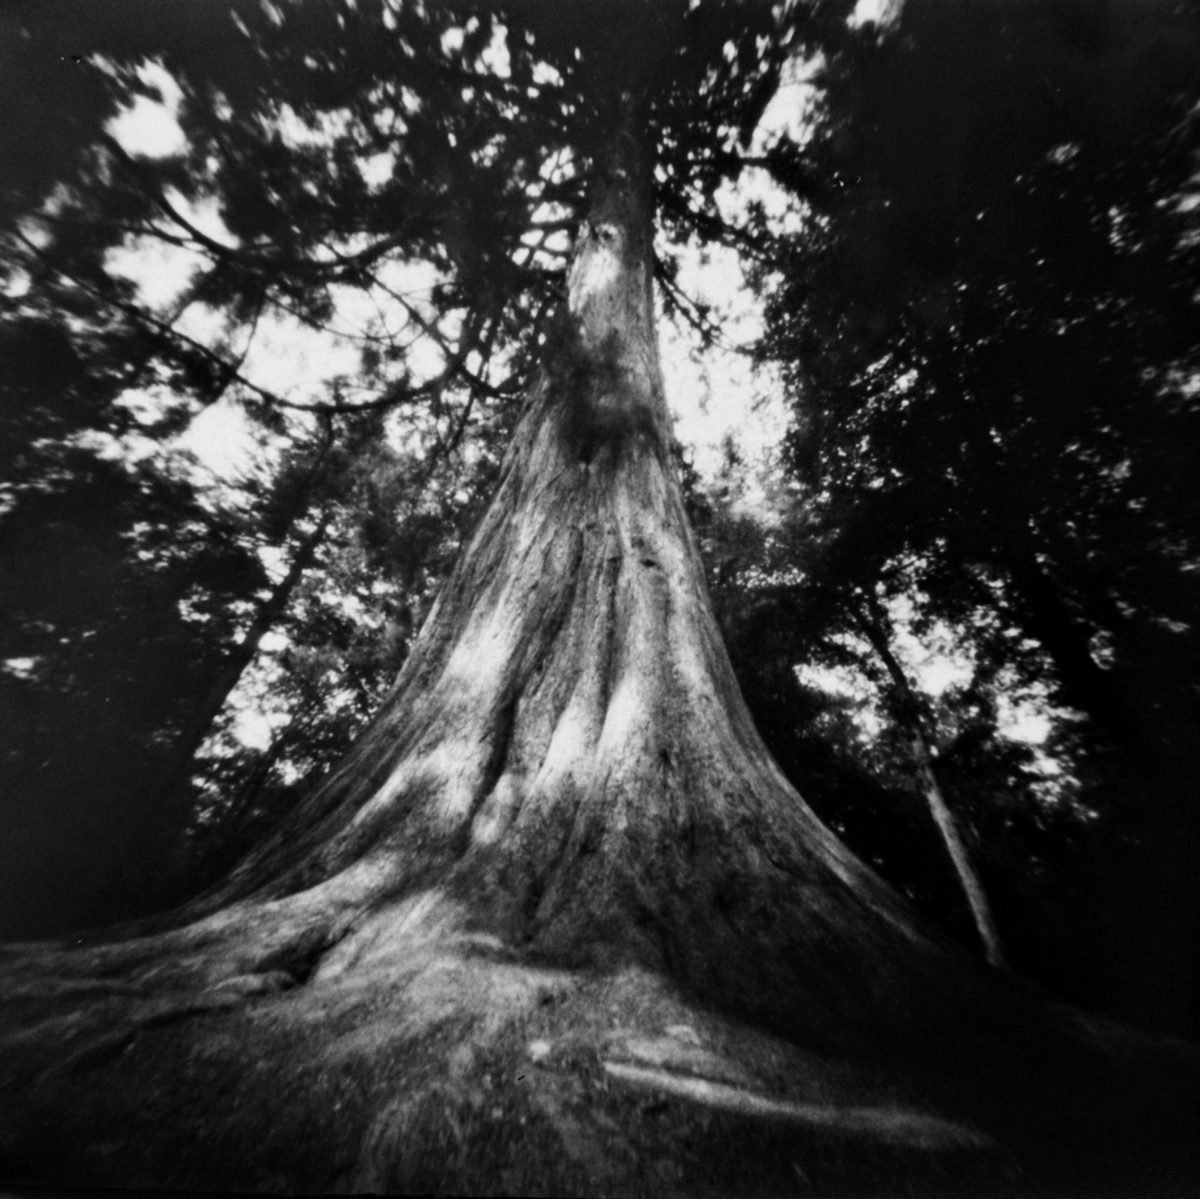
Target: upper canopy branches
332, 149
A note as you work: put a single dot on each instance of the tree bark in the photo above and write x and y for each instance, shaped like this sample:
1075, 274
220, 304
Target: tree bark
558, 924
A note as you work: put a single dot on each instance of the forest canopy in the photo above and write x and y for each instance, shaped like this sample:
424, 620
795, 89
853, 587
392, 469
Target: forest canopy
967, 257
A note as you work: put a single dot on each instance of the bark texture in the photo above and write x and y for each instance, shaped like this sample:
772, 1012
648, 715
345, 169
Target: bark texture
558, 924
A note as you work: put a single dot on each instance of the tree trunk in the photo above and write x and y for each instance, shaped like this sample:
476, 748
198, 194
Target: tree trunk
169, 788
558, 924
909, 710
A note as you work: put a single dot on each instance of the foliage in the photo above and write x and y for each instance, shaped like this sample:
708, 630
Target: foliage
981, 306
396, 184
988, 331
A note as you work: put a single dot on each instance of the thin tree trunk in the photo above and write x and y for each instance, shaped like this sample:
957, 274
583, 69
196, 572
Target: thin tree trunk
169, 786
908, 708
175, 773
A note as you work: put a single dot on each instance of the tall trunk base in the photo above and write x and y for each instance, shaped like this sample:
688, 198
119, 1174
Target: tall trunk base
444, 1061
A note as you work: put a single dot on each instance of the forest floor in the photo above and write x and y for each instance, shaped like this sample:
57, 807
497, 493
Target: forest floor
461, 1069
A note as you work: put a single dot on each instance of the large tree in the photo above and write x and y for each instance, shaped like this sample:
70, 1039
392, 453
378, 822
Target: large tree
558, 923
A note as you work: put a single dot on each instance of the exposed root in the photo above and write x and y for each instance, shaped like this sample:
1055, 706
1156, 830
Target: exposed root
421, 1056
889, 1126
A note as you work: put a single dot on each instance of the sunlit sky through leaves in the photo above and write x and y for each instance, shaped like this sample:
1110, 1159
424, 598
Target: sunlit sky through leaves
723, 404
717, 395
